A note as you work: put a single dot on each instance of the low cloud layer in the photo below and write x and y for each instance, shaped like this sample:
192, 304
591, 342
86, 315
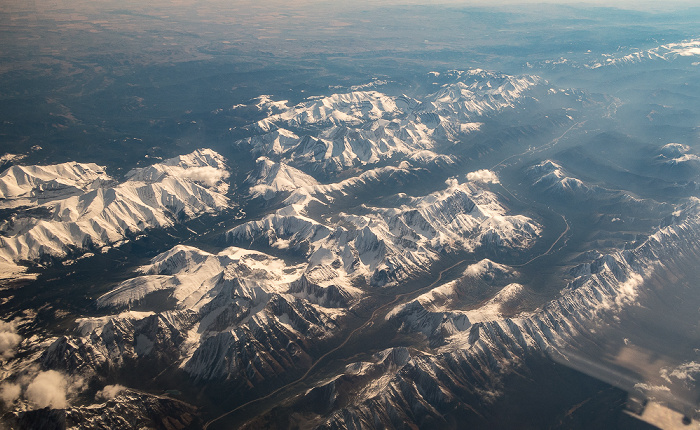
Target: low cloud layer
48, 389
41, 389
207, 175
9, 393
483, 176
9, 339
109, 392
688, 373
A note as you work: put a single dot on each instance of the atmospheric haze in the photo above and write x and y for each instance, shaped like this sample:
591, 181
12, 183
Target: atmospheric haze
330, 215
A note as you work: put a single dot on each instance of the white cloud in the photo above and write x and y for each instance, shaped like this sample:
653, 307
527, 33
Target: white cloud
647, 387
483, 175
687, 371
48, 389
109, 392
207, 175
9, 393
9, 339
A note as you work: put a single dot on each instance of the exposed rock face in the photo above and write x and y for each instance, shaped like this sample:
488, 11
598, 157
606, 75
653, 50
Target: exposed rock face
129, 409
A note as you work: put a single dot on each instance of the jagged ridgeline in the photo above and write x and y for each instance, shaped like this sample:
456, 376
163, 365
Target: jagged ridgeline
68, 209
403, 257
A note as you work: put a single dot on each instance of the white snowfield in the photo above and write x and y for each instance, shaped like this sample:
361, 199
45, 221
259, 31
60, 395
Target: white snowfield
338, 147
671, 51
477, 92
444, 298
95, 212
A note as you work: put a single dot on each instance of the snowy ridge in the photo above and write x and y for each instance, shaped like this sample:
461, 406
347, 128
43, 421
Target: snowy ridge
152, 197
405, 387
191, 274
440, 312
553, 178
339, 147
689, 49
300, 199
676, 155
668, 52
275, 142
18, 184
601, 287
365, 127
265, 103
117, 340
225, 312
203, 166
476, 93
128, 409
270, 178
351, 108
385, 245
468, 367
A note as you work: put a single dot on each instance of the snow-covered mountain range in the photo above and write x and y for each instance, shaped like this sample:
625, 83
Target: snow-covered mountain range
77, 207
366, 127
388, 271
21, 184
386, 245
246, 316
476, 349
